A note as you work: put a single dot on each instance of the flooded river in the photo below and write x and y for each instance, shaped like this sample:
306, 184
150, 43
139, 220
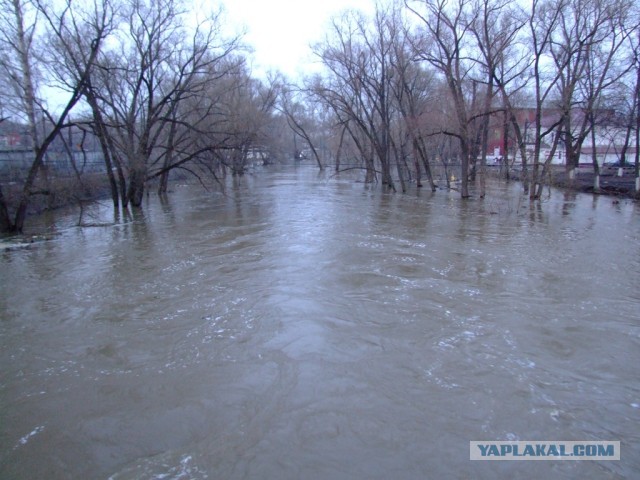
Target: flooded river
307, 327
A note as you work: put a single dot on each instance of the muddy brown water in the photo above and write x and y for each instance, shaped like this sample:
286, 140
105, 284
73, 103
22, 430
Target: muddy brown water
306, 327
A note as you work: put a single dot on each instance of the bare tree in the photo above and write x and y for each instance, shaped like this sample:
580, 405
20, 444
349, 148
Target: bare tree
67, 55
157, 63
496, 26
543, 20
445, 45
198, 128
300, 118
412, 87
358, 85
636, 97
247, 107
62, 23
585, 49
17, 58
631, 95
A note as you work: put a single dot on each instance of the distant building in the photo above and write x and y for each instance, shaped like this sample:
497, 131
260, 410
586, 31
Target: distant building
610, 138
9, 140
258, 155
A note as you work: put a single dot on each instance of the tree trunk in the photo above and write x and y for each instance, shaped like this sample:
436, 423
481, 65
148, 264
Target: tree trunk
625, 145
371, 167
135, 191
570, 154
5, 220
400, 156
504, 164
464, 168
315, 155
101, 133
485, 137
546, 168
339, 152
637, 142
421, 148
594, 157
168, 159
382, 149
24, 48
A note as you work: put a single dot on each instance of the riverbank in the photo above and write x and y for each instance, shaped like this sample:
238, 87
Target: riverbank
610, 183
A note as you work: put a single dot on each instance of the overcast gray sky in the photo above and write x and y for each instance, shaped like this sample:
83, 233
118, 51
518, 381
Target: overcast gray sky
280, 31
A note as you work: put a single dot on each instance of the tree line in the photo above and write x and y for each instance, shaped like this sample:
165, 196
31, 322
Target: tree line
422, 82
417, 84
160, 86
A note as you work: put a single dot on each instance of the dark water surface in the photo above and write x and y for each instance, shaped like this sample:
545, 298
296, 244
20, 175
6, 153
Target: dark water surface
304, 327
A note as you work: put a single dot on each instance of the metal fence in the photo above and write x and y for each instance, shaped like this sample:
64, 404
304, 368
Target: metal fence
14, 164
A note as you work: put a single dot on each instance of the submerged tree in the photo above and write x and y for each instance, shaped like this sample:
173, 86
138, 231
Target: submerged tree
300, 117
78, 33
377, 93
143, 81
357, 88
245, 106
444, 44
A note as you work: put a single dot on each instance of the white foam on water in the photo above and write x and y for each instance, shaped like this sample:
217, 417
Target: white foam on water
27, 437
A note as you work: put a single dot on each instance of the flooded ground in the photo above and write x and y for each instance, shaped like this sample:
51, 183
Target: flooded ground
307, 327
